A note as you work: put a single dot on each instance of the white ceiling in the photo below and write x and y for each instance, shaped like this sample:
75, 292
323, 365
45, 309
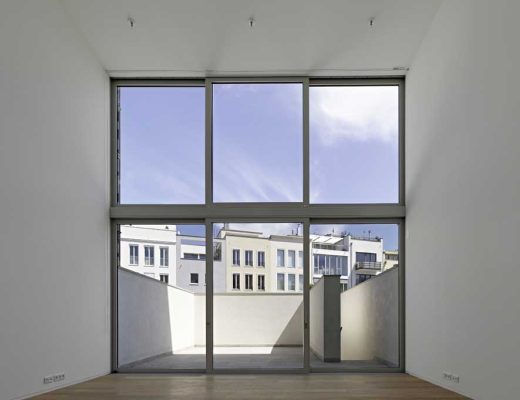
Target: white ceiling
213, 37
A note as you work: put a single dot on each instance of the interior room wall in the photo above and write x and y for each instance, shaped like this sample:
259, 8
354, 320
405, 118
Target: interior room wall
54, 223
463, 195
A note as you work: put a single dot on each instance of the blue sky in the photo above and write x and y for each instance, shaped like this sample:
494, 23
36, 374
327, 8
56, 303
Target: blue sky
257, 139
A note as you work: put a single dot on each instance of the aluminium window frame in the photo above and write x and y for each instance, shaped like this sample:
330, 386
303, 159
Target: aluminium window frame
210, 212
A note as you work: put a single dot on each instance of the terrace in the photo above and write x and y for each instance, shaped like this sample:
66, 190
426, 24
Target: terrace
163, 327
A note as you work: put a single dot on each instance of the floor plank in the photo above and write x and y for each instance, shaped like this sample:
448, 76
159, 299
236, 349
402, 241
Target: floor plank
253, 387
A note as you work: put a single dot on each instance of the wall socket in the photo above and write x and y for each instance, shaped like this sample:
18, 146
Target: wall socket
450, 377
53, 378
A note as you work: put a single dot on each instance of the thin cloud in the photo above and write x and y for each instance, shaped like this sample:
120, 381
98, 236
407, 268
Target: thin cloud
242, 179
354, 113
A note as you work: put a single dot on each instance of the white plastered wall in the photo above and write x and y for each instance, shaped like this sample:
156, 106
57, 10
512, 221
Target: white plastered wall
54, 223
463, 197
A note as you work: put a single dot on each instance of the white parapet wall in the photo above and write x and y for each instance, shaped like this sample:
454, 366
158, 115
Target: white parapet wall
370, 319
154, 318
247, 319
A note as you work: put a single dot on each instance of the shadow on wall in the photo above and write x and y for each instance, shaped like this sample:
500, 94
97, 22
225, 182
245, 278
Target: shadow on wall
144, 326
370, 320
155, 319
258, 319
292, 334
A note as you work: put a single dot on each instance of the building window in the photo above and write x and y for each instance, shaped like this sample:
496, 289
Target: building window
300, 259
325, 264
194, 279
280, 258
280, 281
194, 256
249, 282
365, 257
261, 282
249, 119
291, 281
145, 116
249, 259
362, 278
378, 109
149, 256
236, 257
261, 259
236, 281
217, 251
291, 255
300, 283
134, 254
165, 255
163, 278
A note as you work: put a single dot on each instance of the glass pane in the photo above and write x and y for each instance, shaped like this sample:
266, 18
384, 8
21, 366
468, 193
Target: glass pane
257, 142
162, 133
258, 311
354, 296
162, 300
354, 144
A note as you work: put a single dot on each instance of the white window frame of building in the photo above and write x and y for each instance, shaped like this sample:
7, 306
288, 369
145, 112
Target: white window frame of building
134, 254
248, 255
261, 259
304, 210
248, 281
149, 256
300, 282
236, 281
281, 287
164, 256
291, 282
164, 278
291, 258
236, 257
280, 258
260, 282
300, 258
194, 282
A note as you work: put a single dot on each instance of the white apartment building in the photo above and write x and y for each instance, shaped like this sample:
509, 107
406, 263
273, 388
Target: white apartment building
391, 259
354, 258
287, 263
191, 264
247, 261
149, 250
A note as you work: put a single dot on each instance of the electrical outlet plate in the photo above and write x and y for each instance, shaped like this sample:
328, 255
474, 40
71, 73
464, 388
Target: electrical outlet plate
450, 377
54, 378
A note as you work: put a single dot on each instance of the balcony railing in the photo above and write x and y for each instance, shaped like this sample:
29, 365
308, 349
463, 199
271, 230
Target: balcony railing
339, 247
368, 265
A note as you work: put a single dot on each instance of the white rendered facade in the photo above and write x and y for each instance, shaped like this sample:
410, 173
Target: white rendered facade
287, 263
355, 259
391, 259
247, 266
250, 261
149, 250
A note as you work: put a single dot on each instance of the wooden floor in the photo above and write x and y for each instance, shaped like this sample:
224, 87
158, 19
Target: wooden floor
245, 387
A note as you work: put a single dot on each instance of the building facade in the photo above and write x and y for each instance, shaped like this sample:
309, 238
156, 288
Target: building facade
149, 250
250, 262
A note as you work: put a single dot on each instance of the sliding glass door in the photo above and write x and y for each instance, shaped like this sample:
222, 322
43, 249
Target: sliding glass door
257, 225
